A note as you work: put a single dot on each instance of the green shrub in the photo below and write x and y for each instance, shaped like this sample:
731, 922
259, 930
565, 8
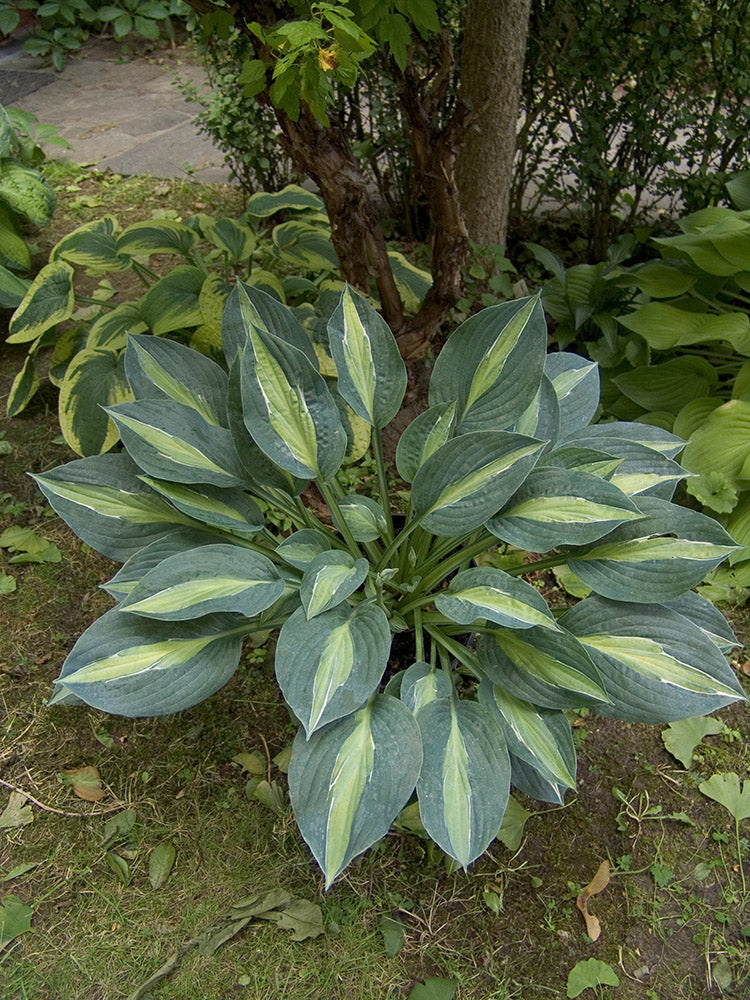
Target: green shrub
504, 454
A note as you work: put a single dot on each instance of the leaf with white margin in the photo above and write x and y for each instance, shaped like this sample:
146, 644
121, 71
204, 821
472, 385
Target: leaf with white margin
491, 595
464, 784
224, 578
527, 779
104, 501
589, 460
642, 561
349, 781
248, 305
421, 684
128, 665
540, 737
559, 507
546, 668
425, 434
144, 559
301, 547
470, 478
172, 441
655, 664
576, 383
492, 365
542, 418
600, 435
226, 509
371, 372
329, 666
329, 579
363, 516
707, 617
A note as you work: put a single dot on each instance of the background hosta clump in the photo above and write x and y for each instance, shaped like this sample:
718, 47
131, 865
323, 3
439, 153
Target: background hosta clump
503, 460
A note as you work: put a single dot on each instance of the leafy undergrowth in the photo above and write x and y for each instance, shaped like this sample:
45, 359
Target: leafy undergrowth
106, 912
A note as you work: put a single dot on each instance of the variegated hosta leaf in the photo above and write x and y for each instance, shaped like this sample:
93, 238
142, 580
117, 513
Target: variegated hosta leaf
230, 236
424, 435
603, 436
371, 372
576, 384
106, 504
170, 544
223, 578
301, 547
329, 579
225, 509
644, 561
24, 387
159, 369
655, 664
589, 460
465, 779
643, 470
542, 418
250, 305
288, 409
172, 441
329, 666
560, 507
470, 478
490, 594
151, 236
94, 380
492, 365
421, 684
540, 737
258, 466
128, 665
527, 779
363, 516
93, 246
173, 302
48, 302
350, 780
112, 328
546, 668
708, 619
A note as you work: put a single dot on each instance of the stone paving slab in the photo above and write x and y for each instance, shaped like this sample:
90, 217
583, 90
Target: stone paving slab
126, 116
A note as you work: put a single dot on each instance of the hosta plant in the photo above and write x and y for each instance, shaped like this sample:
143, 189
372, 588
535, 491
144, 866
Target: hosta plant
411, 668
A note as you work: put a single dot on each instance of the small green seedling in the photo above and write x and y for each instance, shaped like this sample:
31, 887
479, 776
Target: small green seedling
590, 974
726, 789
682, 737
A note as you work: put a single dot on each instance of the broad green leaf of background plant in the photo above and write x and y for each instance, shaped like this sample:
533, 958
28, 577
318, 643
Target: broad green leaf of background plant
93, 381
465, 778
345, 654
263, 204
14, 251
722, 442
491, 595
129, 665
665, 326
349, 780
465, 481
306, 244
668, 386
371, 372
48, 301
12, 289
231, 237
111, 329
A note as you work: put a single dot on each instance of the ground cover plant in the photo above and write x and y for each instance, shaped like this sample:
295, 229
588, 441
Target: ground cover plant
505, 451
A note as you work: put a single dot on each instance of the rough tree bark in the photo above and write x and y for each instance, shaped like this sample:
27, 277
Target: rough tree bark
492, 55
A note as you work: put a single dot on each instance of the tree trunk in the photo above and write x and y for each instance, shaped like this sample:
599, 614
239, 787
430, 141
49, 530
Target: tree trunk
493, 49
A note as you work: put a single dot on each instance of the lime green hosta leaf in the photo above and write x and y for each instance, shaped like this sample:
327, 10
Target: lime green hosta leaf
106, 504
226, 509
93, 381
722, 442
93, 246
159, 369
110, 331
250, 306
328, 666
642, 561
171, 441
665, 326
225, 578
464, 784
546, 668
371, 372
540, 738
422, 684
151, 236
492, 365
231, 237
350, 780
48, 301
24, 388
668, 386
661, 279
364, 517
470, 478
655, 664
301, 547
576, 384
424, 435
129, 665
560, 507
329, 579
494, 596
306, 244
693, 415
176, 540
174, 301
265, 203
288, 409
26, 192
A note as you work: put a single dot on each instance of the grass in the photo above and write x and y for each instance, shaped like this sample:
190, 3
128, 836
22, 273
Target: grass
673, 917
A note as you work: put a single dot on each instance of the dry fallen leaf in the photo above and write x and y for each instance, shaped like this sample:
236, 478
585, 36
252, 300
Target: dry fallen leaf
598, 883
86, 783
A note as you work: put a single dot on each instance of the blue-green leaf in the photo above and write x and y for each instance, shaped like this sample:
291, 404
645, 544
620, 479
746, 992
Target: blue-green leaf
491, 595
301, 547
421, 684
424, 435
329, 579
170, 544
576, 384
